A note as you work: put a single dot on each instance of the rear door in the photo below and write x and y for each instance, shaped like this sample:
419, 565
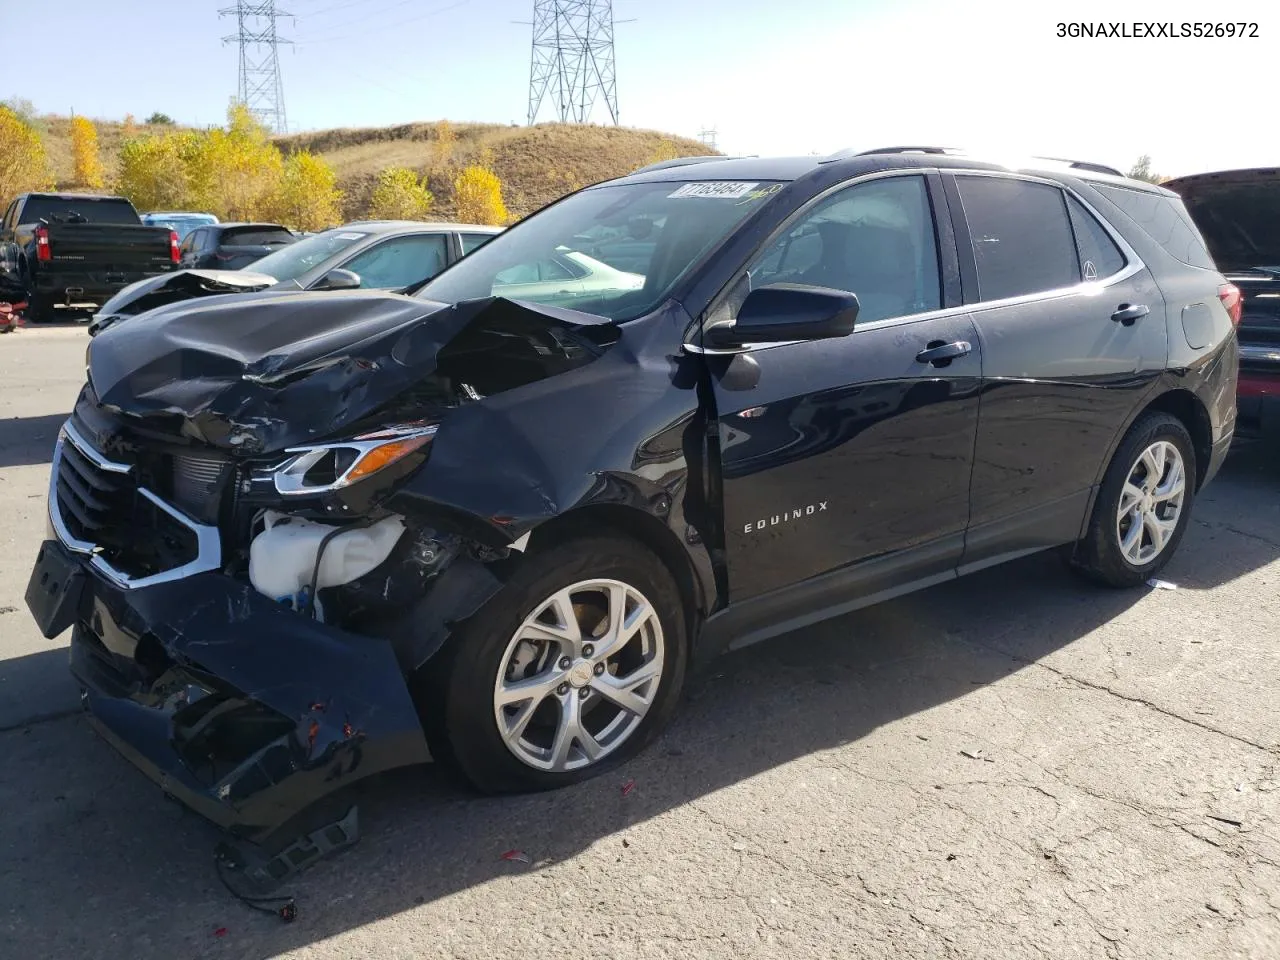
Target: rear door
860, 448
1073, 338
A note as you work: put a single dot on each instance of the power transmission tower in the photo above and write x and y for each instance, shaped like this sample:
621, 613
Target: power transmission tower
260, 87
708, 137
572, 63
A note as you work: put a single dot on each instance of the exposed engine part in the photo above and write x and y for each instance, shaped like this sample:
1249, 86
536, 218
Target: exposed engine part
286, 557
396, 583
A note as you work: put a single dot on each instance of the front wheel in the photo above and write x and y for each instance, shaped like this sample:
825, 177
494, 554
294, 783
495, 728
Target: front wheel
1143, 506
573, 667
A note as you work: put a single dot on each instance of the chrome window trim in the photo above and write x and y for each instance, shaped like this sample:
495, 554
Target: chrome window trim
208, 542
1133, 264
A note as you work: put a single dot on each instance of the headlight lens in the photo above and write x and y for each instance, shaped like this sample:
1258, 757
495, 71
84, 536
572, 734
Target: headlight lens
327, 467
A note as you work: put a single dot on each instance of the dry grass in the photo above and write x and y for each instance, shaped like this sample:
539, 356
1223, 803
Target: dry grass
535, 164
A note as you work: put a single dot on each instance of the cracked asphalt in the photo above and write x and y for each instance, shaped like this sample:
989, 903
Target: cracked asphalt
1012, 765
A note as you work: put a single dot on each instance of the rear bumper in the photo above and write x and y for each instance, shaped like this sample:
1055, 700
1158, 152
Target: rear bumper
67, 287
246, 712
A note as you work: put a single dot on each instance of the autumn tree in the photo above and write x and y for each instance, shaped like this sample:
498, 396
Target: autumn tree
400, 195
23, 164
307, 196
477, 197
130, 126
86, 163
1141, 170
153, 172
235, 171
446, 140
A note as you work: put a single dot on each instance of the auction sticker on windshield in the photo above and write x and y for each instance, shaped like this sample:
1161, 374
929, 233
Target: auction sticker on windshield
719, 189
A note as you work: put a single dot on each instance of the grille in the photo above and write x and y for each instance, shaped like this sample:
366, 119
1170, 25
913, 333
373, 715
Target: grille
195, 483
92, 500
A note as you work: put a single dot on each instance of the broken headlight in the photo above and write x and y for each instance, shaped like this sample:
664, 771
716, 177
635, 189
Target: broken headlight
327, 467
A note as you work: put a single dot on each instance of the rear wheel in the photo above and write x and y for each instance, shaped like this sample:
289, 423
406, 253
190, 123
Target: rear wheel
39, 310
1144, 505
572, 668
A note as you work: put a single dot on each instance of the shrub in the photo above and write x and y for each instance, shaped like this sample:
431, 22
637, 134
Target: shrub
399, 195
477, 194
153, 173
160, 119
307, 197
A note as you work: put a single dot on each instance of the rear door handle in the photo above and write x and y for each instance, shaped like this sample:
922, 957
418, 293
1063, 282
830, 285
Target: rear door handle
940, 354
1129, 314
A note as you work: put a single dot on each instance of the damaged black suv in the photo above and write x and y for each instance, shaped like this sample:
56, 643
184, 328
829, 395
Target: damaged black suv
303, 539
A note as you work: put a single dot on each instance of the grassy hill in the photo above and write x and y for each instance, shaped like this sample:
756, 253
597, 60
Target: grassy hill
536, 164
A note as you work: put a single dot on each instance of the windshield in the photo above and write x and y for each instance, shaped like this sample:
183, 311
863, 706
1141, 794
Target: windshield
297, 258
616, 251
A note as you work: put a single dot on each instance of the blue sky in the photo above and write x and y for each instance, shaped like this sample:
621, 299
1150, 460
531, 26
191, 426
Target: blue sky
795, 76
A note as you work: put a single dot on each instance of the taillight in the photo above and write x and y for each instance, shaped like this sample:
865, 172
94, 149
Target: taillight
1233, 300
174, 255
42, 244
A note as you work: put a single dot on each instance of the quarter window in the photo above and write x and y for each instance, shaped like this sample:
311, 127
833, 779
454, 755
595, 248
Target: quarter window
1022, 239
875, 240
472, 240
1099, 256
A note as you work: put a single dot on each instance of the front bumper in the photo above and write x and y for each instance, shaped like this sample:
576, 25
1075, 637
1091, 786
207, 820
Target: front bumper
245, 711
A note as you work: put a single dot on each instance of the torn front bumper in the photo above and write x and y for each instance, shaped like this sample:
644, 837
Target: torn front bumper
247, 712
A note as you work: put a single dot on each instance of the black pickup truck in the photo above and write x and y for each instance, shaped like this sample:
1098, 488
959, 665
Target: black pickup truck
80, 249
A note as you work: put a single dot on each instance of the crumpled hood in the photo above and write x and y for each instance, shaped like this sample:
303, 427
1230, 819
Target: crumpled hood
181, 285
260, 372
1238, 212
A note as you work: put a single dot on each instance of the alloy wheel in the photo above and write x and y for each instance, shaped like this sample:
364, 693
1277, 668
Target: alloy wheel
579, 675
1151, 502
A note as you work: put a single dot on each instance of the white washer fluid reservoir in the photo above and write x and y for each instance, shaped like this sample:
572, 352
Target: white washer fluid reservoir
282, 558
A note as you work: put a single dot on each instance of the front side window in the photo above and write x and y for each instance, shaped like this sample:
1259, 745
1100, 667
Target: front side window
400, 262
875, 240
1099, 256
633, 242
1022, 239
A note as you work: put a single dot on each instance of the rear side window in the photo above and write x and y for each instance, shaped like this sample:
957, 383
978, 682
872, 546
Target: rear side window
1022, 238
1099, 255
1165, 220
255, 237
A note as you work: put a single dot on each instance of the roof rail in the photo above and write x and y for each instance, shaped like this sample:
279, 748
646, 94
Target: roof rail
851, 152
1084, 165
678, 162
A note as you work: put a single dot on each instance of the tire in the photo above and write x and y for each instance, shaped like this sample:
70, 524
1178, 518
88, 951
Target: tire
459, 689
1102, 556
39, 310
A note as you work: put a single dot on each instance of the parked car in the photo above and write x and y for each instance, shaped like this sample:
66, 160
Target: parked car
232, 246
181, 222
1238, 213
80, 249
303, 539
370, 254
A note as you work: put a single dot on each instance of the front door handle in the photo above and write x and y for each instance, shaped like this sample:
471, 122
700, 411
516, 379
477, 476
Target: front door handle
940, 354
1129, 314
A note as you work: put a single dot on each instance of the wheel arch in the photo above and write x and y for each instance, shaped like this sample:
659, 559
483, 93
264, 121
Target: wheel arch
1194, 415
647, 530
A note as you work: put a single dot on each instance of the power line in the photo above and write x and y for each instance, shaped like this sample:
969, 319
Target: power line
572, 61
375, 27
260, 87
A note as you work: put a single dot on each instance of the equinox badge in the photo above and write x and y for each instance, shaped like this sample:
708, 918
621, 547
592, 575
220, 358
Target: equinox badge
799, 513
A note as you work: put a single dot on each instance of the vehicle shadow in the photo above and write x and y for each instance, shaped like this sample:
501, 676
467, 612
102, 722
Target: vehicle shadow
29, 440
84, 828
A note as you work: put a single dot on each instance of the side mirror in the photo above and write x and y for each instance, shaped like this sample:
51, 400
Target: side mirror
338, 279
788, 311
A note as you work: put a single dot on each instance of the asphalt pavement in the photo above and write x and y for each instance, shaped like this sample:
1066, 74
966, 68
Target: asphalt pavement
1012, 765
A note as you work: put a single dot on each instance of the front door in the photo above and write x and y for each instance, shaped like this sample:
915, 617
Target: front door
839, 451
1064, 364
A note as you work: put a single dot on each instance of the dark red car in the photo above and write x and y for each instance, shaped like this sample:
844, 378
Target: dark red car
1238, 212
